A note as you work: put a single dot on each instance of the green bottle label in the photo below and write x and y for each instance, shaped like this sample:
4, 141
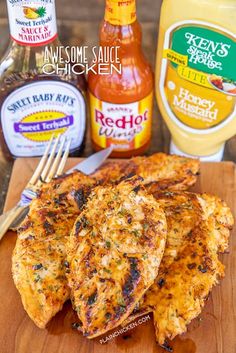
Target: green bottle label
198, 76
207, 50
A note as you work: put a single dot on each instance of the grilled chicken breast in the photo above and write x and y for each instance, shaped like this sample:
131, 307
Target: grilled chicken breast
198, 228
39, 258
159, 171
114, 253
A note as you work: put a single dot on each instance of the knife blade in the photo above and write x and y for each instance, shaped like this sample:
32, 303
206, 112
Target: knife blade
92, 163
87, 166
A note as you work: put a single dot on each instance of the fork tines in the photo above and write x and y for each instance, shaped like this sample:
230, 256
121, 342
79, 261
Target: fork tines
52, 162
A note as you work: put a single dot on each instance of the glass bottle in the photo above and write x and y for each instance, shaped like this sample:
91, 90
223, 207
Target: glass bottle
121, 102
33, 104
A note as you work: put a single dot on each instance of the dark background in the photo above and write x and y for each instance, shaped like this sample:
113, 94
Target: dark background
148, 10
70, 12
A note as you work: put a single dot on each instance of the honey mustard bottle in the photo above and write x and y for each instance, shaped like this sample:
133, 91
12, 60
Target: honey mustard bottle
196, 76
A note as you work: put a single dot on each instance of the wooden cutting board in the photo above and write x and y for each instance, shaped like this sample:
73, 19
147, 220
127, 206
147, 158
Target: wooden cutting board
213, 332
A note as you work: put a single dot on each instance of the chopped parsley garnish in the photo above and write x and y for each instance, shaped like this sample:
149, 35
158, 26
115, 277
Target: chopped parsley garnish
136, 233
121, 302
108, 244
123, 212
107, 270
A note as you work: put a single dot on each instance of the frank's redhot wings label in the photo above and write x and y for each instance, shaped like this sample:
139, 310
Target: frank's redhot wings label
32, 22
120, 12
125, 126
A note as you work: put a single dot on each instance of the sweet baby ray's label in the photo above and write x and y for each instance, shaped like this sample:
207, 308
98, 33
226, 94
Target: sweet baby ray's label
33, 22
198, 78
125, 126
31, 114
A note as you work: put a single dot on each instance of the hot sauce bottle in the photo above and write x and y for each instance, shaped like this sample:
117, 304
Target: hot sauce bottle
121, 102
33, 104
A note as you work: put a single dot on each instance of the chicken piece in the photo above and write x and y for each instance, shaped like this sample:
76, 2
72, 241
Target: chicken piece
198, 228
114, 253
39, 258
159, 171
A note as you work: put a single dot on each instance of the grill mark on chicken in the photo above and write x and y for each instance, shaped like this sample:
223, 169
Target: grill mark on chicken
39, 260
159, 172
114, 254
198, 228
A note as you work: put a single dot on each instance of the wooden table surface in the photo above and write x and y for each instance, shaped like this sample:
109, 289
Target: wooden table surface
80, 32
213, 331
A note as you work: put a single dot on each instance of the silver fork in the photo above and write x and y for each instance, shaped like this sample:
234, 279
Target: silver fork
50, 165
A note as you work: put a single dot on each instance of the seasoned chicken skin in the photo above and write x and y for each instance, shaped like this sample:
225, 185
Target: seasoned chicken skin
38, 263
198, 228
39, 258
159, 171
114, 253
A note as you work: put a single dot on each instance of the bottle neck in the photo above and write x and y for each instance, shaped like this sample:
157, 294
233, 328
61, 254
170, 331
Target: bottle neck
34, 23
120, 12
